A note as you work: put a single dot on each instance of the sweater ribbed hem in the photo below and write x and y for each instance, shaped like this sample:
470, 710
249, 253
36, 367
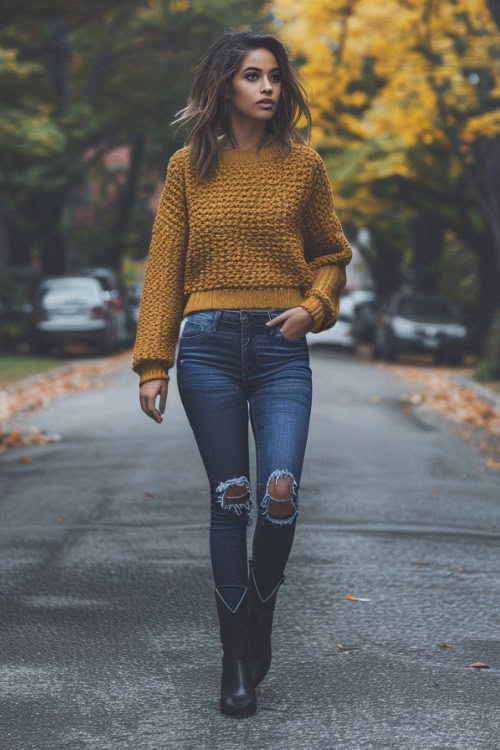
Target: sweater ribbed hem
244, 299
151, 371
314, 306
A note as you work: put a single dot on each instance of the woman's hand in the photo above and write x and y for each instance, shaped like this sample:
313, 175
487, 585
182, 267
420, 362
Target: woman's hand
300, 321
147, 397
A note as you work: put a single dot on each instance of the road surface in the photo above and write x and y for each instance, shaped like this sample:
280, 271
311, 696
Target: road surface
108, 630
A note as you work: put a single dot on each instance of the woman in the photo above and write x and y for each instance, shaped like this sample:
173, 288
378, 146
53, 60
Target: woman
246, 245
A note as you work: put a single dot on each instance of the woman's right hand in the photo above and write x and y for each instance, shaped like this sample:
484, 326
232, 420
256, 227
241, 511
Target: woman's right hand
147, 397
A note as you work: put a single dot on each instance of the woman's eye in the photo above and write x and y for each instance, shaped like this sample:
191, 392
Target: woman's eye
276, 76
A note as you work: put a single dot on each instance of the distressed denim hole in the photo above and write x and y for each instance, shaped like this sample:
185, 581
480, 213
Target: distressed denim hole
280, 503
234, 496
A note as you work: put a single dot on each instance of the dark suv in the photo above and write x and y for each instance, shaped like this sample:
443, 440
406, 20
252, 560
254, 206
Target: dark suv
413, 323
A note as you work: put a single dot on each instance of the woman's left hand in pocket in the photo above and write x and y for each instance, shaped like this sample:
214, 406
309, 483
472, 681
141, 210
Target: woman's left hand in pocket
297, 321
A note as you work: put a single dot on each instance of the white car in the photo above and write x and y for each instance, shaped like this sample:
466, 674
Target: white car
341, 334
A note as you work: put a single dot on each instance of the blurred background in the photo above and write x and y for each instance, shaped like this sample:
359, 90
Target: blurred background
405, 103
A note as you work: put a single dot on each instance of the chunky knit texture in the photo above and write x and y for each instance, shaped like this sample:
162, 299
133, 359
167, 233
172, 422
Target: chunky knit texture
261, 233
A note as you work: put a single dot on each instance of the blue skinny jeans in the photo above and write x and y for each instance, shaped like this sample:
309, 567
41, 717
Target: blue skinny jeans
230, 366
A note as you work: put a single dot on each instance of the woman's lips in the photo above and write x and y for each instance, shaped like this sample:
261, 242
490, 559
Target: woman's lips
265, 105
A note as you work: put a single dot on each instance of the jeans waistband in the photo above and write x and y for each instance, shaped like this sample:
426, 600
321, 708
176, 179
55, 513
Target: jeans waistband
254, 314
244, 318
240, 315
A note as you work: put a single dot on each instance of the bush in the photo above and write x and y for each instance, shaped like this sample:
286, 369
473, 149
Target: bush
15, 308
488, 368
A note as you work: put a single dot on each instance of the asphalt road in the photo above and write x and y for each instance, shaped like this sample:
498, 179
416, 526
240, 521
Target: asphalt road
108, 630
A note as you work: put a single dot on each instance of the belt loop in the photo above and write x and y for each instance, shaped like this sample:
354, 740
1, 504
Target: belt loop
215, 320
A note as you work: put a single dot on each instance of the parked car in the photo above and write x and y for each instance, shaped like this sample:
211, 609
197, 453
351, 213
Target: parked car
363, 324
134, 293
70, 309
413, 323
111, 282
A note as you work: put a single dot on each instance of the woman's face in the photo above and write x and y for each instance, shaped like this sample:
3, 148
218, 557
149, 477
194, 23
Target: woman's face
258, 77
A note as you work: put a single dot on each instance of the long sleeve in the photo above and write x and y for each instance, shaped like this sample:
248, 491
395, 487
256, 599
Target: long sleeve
326, 250
163, 299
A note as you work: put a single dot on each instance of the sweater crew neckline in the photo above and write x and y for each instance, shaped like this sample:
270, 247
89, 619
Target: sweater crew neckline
229, 157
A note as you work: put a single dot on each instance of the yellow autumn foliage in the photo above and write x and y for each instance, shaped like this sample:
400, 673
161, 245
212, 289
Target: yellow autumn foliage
427, 56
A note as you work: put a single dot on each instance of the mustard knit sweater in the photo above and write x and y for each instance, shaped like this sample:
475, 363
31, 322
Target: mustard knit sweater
261, 233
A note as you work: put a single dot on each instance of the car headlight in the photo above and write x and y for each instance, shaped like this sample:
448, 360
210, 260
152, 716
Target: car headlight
402, 327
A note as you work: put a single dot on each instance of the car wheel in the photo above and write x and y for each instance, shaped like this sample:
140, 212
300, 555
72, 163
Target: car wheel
455, 360
39, 346
107, 343
388, 351
376, 352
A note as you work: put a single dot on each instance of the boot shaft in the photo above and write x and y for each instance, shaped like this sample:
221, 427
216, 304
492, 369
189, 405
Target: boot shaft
234, 626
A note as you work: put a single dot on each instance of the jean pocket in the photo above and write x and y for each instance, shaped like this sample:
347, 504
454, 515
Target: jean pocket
287, 338
197, 325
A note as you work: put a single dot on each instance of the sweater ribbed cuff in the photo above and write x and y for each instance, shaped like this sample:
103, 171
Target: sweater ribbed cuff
152, 372
314, 306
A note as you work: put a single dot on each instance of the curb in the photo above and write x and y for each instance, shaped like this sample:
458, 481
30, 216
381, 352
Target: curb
481, 390
28, 384
41, 377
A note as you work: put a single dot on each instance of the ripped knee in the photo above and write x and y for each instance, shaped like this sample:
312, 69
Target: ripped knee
234, 495
280, 503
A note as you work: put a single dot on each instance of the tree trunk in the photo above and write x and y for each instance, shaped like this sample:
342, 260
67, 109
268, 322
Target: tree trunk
383, 261
488, 292
5, 253
51, 242
428, 236
126, 202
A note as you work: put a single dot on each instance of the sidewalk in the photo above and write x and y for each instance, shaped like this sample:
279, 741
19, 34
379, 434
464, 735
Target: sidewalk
470, 406
35, 391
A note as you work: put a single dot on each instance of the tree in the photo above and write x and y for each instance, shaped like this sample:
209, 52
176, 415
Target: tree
410, 89
85, 77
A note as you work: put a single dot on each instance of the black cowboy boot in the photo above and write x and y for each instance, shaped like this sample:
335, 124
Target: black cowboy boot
261, 624
237, 691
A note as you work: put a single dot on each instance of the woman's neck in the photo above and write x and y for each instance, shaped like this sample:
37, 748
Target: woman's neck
228, 141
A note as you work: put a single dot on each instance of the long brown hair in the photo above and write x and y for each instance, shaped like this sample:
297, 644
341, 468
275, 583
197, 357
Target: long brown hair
206, 114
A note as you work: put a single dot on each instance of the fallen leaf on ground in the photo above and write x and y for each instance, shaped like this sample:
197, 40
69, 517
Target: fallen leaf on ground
355, 598
39, 389
25, 459
422, 563
34, 436
445, 644
492, 464
457, 401
479, 665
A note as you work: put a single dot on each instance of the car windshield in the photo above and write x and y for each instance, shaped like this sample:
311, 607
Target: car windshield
426, 307
72, 294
